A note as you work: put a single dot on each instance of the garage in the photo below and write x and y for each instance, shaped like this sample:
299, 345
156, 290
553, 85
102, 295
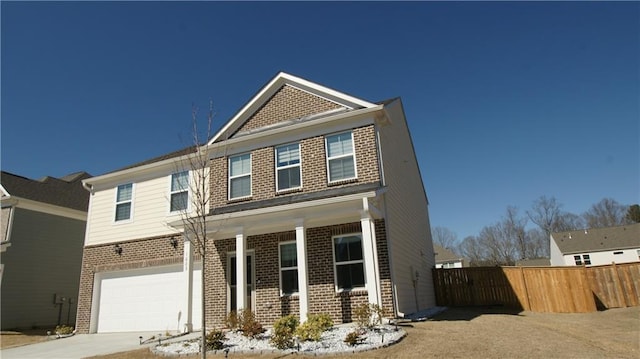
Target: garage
146, 299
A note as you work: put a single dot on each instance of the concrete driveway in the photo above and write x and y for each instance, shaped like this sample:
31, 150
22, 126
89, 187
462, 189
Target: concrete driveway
84, 345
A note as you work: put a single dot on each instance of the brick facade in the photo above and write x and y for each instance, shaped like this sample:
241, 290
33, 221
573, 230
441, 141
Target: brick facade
270, 306
287, 103
314, 169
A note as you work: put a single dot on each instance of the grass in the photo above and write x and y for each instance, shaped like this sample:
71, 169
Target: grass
9, 339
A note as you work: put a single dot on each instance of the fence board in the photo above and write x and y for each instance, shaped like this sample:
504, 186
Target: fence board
541, 289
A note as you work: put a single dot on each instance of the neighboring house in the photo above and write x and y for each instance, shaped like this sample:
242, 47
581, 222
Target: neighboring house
445, 258
533, 262
316, 206
43, 229
596, 246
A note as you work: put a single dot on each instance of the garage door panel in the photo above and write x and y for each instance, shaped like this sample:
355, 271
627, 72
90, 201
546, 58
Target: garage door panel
146, 299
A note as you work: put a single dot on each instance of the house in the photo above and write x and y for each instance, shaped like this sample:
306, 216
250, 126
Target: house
533, 262
596, 246
445, 258
43, 229
316, 205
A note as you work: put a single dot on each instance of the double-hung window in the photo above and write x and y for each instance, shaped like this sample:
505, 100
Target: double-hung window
341, 164
349, 263
288, 167
124, 197
240, 176
179, 191
584, 259
288, 268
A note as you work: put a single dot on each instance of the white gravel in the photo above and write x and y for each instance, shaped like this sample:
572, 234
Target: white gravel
331, 342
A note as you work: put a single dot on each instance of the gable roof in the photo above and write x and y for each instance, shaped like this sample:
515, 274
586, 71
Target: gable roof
598, 239
64, 192
444, 254
328, 97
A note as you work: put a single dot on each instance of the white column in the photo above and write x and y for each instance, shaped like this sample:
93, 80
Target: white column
187, 271
371, 274
303, 283
241, 271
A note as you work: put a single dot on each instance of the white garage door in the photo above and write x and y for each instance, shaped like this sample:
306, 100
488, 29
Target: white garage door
146, 299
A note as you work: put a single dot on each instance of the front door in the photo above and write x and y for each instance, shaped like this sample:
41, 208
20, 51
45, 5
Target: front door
231, 282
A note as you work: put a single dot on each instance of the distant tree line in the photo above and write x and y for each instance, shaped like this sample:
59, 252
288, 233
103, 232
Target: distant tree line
505, 242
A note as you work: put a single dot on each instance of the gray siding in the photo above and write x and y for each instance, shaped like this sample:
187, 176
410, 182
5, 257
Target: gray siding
44, 259
409, 230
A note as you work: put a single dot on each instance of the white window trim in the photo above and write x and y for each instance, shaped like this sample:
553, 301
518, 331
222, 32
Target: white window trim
299, 165
282, 294
188, 190
250, 175
335, 272
115, 207
353, 154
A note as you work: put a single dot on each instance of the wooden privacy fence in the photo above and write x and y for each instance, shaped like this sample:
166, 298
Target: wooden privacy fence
541, 289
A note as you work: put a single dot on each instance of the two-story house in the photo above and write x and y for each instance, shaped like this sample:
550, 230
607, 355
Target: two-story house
43, 229
317, 205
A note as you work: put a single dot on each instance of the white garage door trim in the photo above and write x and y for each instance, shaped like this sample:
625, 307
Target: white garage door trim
144, 299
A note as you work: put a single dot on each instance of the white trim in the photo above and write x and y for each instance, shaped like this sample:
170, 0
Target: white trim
188, 190
230, 254
250, 175
352, 154
303, 269
280, 244
36, 206
299, 165
361, 261
116, 203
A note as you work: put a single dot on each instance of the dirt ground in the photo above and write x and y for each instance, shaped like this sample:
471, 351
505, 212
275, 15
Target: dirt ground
16, 339
495, 333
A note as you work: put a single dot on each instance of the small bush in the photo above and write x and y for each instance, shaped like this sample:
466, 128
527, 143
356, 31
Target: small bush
283, 331
249, 325
215, 340
353, 338
368, 315
313, 328
232, 320
63, 329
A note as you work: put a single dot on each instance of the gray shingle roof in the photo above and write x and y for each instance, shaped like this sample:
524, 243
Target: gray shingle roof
444, 255
64, 192
598, 239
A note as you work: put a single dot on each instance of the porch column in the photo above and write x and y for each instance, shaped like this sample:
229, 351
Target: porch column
241, 271
187, 271
370, 259
303, 283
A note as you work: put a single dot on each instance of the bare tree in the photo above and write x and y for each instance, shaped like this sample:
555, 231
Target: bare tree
538, 243
606, 213
471, 249
444, 237
514, 225
633, 214
545, 212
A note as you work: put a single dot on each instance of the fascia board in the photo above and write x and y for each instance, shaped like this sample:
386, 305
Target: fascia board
274, 85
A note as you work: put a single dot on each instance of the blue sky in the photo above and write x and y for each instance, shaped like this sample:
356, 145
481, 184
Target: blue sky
506, 101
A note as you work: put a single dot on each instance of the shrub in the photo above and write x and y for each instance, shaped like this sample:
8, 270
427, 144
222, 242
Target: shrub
283, 331
353, 338
368, 315
249, 325
313, 328
63, 329
215, 340
232, 320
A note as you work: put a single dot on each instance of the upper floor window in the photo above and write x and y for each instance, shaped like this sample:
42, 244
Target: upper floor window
349, 262
288, 166
288, 268
340, 157
179, 191
124, 197
240, 176
584, 259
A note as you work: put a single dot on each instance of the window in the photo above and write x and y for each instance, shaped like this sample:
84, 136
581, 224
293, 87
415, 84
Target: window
349, 264
288, 166
584, 259
240, 176
179, 191
340, 158
288, 268
618, 252
123, 202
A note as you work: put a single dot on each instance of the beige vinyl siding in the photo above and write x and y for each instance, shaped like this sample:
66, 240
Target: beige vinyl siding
41, 243
408, 225
149, 213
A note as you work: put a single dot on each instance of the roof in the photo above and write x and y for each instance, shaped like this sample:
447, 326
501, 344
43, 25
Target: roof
64, 192
598, 239
534, 262
177, 153
444, 254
